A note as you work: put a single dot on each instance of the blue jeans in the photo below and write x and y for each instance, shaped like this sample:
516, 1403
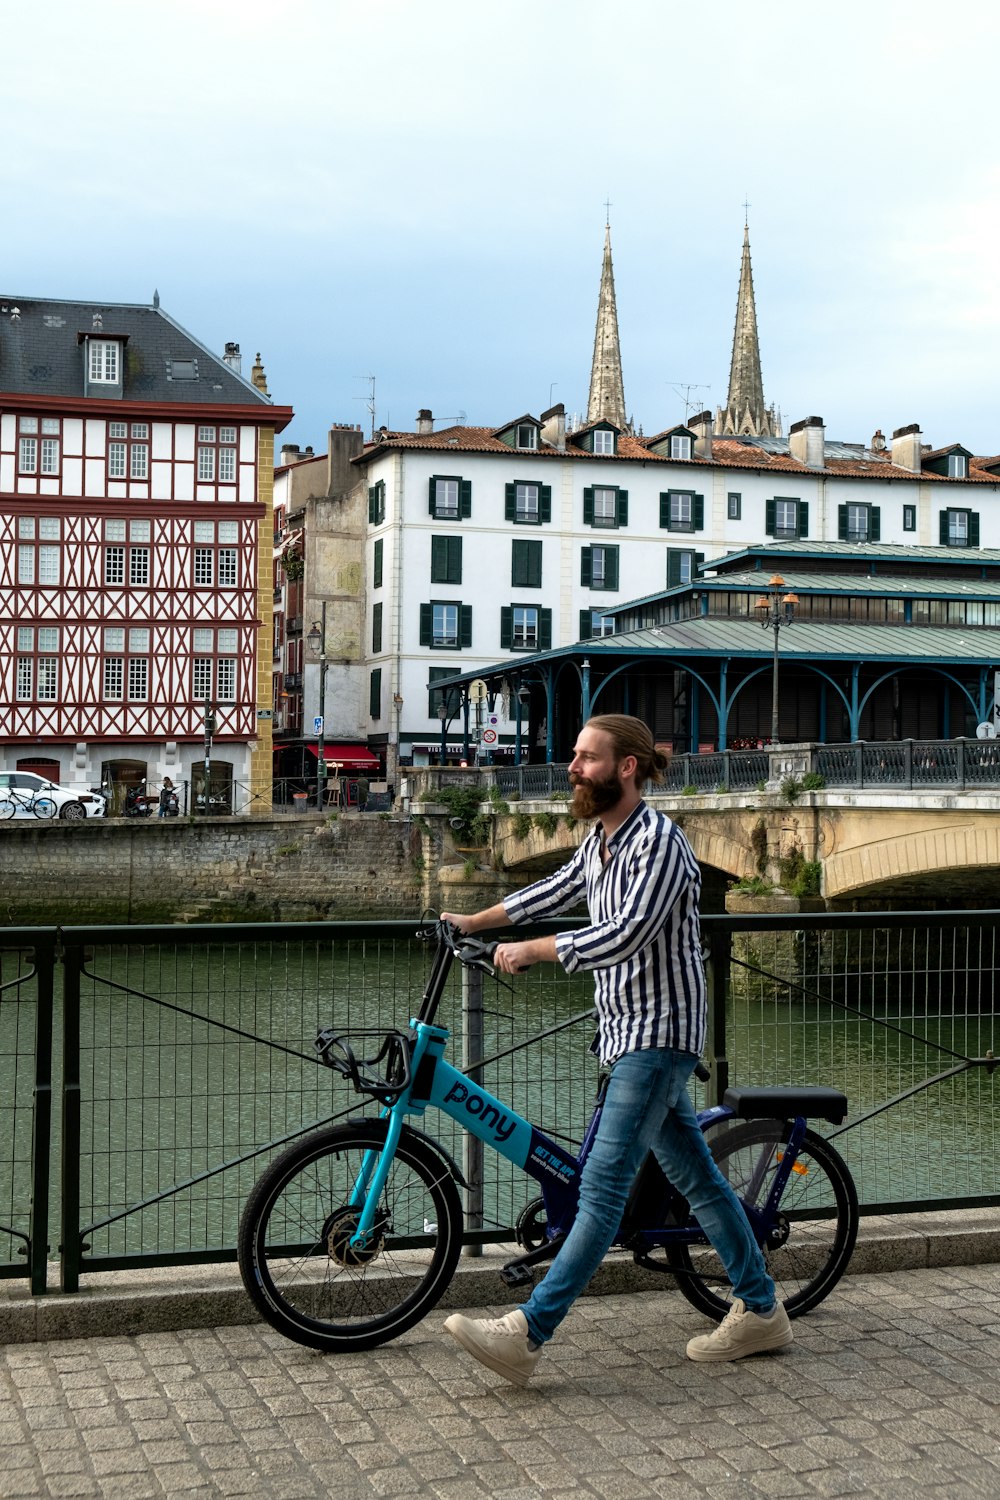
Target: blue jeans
647, 1108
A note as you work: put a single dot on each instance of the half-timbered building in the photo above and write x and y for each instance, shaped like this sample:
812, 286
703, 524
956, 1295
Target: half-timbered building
136, 479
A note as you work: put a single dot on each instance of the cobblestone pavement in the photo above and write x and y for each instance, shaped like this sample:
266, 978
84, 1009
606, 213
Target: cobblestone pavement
889, 1390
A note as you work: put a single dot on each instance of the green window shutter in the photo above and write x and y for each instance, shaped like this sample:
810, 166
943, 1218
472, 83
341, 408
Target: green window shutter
699, 558
545, 630
545, 502
611, 570
665, 511
803, 518
623, 507
943, 532
875, 528
698, 512
673, 567
465, 498
588, 507
586, 624
465, 625
377, 628
769, 521
534, 579
372, 497
439, 559
426, 624
506, 627
375, 694
509, 502
585, 567
518, 564
973, 528
378, 564
454, 559
430, 503
842, 523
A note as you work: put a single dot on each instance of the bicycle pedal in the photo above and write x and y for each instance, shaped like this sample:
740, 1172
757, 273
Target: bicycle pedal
515, 1275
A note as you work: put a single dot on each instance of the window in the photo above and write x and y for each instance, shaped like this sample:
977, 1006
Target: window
680, 445
114, 565
376, 628
958, 466
225, 682
375, 693
526, 564
858, 523
25, 678
216, 558
452, 696
909, 518
103, 362
138, 565
528, 504
605, 505
138, 679
227, 567
787, 519
446, 625
38, 455
682, 566
216, 455
376, 503
204, 571
37, 677
734, 506
37, 560
682, 510
599, 567
526, 435
201, 678
377, 576
959, 528
128, 450
113, 678
604, 440
446, 559
593, 622
450, 497
525, 627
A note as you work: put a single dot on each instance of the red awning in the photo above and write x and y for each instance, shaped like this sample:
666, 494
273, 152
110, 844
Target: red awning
348, 757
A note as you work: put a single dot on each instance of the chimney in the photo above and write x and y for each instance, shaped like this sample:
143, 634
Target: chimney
233, 359
425, 423
554, 426
343, 443
807, 442
906, 447
289, 453
878, 441
701, 426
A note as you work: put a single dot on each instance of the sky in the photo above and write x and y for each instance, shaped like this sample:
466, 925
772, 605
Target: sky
416, 193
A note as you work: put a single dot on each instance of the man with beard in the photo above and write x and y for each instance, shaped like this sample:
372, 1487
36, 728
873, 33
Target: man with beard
642, 883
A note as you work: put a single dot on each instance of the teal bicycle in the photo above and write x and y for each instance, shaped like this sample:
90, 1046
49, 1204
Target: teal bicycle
352, 1234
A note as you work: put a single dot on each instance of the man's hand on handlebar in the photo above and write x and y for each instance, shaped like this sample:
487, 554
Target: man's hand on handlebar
511, 958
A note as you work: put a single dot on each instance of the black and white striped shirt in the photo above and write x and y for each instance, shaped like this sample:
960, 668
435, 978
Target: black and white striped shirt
644, 941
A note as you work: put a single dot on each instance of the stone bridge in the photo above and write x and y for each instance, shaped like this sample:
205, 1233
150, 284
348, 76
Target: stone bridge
890, 848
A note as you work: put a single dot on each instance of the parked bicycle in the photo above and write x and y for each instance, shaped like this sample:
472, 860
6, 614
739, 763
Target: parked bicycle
351, 1235
34, 801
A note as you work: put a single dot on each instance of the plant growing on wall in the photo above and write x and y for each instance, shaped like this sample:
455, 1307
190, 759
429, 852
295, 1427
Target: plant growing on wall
758, 843
294, 566
462, 803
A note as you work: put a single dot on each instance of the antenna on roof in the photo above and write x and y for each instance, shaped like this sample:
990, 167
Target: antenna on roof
369, 400
684, 391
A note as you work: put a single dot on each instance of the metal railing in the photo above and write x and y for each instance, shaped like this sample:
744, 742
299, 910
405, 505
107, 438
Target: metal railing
187, 1060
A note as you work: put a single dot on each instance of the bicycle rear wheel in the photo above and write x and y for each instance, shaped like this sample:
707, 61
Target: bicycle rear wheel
807, 1250
6, 807
294, 1249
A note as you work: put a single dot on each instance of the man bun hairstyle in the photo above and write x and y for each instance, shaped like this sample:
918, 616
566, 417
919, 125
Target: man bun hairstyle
631, 736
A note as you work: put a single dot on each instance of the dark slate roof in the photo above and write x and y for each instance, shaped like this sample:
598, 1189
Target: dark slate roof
40, 353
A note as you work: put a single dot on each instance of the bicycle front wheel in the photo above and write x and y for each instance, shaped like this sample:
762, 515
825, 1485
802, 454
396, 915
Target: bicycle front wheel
808, 1247
295, 1252
44, 807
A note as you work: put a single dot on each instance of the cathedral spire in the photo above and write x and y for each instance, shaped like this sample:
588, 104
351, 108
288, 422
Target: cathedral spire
607, 392
745, 411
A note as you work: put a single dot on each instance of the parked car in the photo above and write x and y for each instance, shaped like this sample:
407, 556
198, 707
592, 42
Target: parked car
71, 804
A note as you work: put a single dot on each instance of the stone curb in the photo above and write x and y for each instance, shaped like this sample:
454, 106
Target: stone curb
125, 1303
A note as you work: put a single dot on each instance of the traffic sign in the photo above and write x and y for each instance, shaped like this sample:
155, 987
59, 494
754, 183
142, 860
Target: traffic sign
489, 738
318, 724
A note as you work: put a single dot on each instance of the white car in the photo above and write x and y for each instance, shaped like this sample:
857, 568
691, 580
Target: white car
25, 795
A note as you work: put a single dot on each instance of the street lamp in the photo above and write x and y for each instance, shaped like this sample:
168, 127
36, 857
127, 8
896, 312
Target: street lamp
776, 609
316, 641
442, 713
523, 697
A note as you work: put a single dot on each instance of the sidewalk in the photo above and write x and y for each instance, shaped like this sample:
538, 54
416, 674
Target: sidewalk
889, 1390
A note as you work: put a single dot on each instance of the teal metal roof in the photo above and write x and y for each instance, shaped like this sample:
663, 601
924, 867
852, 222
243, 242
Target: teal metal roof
862, 552
880, 584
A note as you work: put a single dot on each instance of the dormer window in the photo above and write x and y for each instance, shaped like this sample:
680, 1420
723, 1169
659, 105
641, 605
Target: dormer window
104, 357
680, 446
958, 466
604, 440
526, 436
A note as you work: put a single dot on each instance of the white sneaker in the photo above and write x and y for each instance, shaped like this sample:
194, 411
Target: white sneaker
499, 1343
742, 1332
